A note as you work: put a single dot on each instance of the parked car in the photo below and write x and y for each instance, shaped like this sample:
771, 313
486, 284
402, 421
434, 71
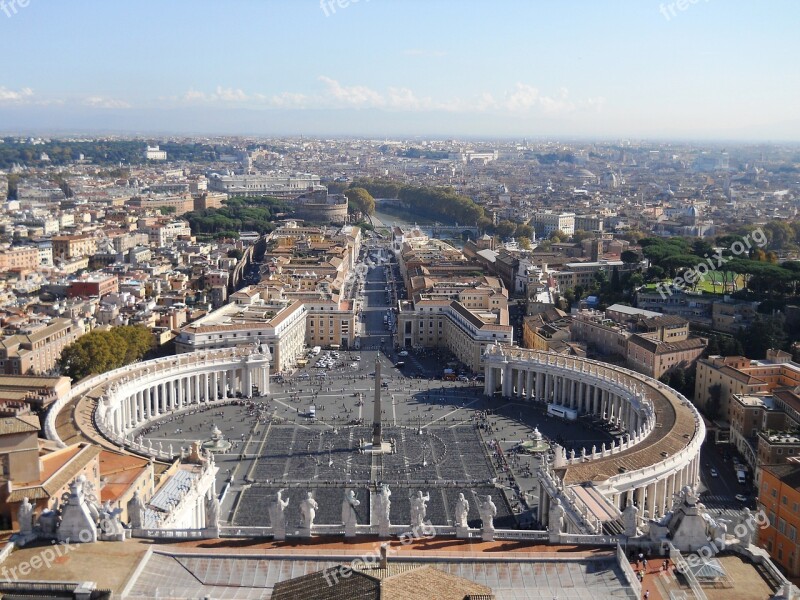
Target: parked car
714, 473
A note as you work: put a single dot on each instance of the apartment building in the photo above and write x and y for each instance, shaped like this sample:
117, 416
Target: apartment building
36, 348
743, 376
93, 285
165, 234
180, 204
547, 332
330, 322
448, 324
650, 343
68, 247
749, 415
779, 497
584, 273
20, 258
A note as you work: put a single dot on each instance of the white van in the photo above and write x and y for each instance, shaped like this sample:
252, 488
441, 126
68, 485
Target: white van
562, 412
316, 350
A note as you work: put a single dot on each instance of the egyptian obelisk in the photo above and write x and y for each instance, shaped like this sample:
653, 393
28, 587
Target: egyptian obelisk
377, 441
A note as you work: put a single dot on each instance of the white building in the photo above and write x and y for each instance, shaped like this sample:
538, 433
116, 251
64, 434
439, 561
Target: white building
546, 223
269, 184
154, 153
281, 326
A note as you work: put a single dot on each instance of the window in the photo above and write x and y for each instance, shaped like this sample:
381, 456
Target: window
781, 526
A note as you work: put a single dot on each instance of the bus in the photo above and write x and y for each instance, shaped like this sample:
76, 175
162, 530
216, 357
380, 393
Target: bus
312, 412
449, 375
562, 412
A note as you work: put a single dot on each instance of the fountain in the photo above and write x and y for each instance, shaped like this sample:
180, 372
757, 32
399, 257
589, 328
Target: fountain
537, 445
217, 443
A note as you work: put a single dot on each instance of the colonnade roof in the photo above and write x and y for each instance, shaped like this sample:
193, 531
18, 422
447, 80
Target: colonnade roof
674, 429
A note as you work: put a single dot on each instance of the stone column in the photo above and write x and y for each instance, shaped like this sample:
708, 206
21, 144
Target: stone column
224, 384
148, 410
529, 375
651, 499
574, 395
507, 380
159, 398
639, 498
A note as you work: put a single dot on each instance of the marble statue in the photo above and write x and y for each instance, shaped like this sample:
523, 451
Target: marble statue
630, 518
276, 514
135, 511
308, 511
749, 525
557, 513
688, 495
109, 520
461, 511
720, 532
419, 508
25, 517
349, 504
384, 506
212, 512
488, 511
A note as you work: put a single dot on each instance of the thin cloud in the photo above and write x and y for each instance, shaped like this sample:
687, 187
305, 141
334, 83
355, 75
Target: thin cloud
522, 100
20, 96
103, 102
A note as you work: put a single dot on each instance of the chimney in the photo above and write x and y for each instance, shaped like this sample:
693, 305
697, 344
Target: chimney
384, 556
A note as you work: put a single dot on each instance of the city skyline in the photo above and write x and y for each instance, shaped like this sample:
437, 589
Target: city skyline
690, 70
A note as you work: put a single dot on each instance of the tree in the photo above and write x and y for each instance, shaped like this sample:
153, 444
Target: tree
506, 229
103, 350
485, 224
557, 236
629, 257
361, 200
615, 283
581, 235
524, 231
765, 332
235, 253
524, 242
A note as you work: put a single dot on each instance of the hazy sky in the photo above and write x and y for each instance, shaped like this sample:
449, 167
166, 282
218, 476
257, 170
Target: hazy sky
720, 69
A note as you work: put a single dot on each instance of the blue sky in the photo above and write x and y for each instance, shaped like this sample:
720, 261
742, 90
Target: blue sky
702, 69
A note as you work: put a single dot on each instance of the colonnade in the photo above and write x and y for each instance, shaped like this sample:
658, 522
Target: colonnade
158, 388
653, 479
585, 391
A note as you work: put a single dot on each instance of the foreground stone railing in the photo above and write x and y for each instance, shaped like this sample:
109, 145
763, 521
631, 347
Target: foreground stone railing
434, 531
627, 571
